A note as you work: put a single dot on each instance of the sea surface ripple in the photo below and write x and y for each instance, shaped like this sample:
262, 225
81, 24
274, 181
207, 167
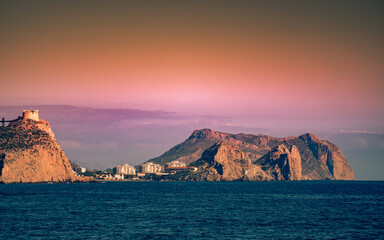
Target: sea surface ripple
193, 210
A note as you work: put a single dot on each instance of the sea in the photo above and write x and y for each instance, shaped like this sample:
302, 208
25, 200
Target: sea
193, 210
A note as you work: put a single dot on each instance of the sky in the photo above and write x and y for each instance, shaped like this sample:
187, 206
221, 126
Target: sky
275, 67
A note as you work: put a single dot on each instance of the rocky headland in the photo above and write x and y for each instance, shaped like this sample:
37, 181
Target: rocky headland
219, 156
29, 153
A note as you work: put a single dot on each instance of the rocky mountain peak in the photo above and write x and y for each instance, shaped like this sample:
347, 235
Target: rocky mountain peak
203, 133
309, 137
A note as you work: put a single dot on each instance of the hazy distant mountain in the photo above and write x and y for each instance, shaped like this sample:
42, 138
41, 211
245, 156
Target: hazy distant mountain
292, 158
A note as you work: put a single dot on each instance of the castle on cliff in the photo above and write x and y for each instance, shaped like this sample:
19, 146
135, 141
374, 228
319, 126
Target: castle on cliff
27, 115
31, 115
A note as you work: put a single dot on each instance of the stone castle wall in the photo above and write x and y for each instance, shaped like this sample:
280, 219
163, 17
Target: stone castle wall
31, 114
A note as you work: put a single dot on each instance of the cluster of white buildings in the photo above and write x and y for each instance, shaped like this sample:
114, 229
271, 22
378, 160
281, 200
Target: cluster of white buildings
150, 167
126, 171
121, 171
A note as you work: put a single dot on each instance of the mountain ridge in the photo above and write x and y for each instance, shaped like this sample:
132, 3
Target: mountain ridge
319, 159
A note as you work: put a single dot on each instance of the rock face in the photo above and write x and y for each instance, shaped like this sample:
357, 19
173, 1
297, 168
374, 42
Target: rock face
225, 162
292, 158
282, 163
331, 160
29, 153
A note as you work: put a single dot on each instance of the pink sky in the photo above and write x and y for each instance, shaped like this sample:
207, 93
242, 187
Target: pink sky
263, 63
280, 68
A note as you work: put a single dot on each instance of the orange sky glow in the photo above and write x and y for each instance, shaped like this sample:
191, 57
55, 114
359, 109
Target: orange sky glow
220, 58
277, 67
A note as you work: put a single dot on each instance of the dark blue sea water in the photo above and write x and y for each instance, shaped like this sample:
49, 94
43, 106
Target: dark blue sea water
193, 210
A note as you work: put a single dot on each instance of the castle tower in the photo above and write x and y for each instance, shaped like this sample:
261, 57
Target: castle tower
31, 114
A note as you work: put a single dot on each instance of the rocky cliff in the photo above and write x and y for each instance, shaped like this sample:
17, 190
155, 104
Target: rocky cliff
292, 158
29, 153
225, 162
282, 164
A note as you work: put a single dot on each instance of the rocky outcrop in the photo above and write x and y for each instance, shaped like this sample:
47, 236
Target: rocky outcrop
29, 153
330, 158
225, 162
282, 164
304, 157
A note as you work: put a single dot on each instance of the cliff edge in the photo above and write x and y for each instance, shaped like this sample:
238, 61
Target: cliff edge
29, 153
